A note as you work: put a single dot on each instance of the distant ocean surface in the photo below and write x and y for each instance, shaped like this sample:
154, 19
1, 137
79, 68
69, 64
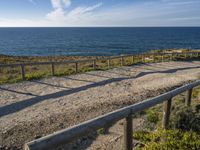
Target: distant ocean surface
94, 41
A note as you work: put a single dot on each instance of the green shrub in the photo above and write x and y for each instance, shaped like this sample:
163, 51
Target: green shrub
86, 69
168, 140
35, 76
152, 116
64, 73
185, 118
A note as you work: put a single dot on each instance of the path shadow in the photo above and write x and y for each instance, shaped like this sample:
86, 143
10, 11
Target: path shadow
69, 78
15, 107
120, 74
97, 75
18, 92
48, 84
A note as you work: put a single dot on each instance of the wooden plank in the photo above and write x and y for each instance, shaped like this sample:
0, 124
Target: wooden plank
122, 60
94, 64
76, 67
166, 113
23, 72
133, 59
188, 97
128, 133
108, 63
52, 69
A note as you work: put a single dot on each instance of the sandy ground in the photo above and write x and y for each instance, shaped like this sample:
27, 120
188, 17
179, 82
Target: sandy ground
33, 109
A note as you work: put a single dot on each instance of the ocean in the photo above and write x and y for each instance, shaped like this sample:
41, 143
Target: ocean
95, 41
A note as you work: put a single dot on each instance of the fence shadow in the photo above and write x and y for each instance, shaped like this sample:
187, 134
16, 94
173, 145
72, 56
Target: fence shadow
18, 92
15, 107
48, 84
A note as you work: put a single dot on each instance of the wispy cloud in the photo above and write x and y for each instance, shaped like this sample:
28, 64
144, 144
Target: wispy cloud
60, 4
140, 13
59, 13
80, 11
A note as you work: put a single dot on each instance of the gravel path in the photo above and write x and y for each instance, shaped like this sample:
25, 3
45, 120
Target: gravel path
33, 109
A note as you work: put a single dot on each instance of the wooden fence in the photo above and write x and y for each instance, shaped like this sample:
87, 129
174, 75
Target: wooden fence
68, 135
153, 56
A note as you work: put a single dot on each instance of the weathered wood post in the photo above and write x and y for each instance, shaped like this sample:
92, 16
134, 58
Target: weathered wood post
154, 57
128, 133
23, 72
166, 113
143, 59
171, 57
94, 64
122, 61
53, 69
188, 97
108, 63
133, 59
76, 64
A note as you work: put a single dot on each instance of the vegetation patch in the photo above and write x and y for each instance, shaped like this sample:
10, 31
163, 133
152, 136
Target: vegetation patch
167, 140
35, 76
184, 131
13, 74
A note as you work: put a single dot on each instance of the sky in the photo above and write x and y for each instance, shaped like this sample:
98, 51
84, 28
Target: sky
92, 13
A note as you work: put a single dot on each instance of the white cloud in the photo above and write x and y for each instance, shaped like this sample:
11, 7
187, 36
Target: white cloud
160, 13
58, 12
60, 3
79, 11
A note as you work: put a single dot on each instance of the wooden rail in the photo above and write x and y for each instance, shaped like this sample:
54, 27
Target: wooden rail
70, 134
143, 56
122, 58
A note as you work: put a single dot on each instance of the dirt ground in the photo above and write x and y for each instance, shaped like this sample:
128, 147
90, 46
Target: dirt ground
32, 109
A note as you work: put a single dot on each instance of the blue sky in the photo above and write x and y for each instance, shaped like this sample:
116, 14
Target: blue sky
99, 13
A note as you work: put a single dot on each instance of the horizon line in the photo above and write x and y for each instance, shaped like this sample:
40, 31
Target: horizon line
100, 27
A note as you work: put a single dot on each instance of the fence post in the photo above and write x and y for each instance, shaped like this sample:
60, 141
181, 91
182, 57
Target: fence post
153, 57
23, 71
122, 61
188, 97
128, 132
52, 69
162, 58
133, 59
94, 64
166, 113
143, 59
108, 63
76, 63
